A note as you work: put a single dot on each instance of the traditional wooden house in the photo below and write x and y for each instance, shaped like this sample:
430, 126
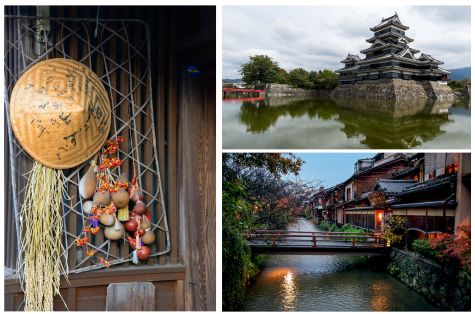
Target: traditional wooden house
158, 66
390, 56
428, 189
425, 194
324, 202
369, 171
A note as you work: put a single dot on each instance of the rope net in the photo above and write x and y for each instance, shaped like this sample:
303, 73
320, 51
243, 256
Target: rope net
118, 51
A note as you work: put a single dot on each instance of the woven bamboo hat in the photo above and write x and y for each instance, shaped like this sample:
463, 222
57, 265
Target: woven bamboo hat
60, 113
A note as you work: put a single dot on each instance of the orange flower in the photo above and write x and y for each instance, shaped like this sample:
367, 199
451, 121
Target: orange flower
82, 241
104, 262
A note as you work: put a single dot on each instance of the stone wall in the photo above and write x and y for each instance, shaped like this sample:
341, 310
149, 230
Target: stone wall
284, 90
394, 89
447, 291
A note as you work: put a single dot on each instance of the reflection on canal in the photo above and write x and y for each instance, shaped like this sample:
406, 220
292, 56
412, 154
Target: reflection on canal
327, 283
327, 123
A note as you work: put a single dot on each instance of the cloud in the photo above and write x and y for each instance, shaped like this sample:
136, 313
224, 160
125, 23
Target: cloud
320, 36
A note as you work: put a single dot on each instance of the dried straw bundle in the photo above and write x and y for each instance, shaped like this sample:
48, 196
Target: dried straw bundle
41, 246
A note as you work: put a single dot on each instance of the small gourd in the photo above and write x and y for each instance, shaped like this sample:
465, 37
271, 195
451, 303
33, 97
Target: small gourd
145, 224
102, 198
114, 232
120, 198
107, 219
148, 237
131, 241
87, 184
143, 253
131, 225
123, 213
87, 207
140, 208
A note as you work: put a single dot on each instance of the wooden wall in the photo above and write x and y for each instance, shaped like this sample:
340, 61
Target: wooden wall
365, 182
185, 113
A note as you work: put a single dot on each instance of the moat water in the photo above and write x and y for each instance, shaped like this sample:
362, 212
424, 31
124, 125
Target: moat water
288, 123
327, 283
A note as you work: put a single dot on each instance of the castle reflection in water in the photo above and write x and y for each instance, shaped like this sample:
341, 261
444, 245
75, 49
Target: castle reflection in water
331, 123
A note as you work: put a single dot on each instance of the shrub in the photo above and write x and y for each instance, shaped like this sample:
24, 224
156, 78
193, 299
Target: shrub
423, 247
454, 246
393, 229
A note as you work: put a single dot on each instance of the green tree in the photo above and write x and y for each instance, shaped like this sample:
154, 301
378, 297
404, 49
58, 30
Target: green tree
276, 163
300, 78
459, 85
393, 229
260, 68
324, 79
240, 213
282, 76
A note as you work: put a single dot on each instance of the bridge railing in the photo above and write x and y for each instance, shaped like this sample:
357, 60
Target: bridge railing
306, 238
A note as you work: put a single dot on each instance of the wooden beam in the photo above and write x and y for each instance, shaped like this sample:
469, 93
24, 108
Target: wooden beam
121, 274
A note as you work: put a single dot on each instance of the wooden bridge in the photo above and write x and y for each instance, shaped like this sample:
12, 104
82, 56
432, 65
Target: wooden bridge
303, 242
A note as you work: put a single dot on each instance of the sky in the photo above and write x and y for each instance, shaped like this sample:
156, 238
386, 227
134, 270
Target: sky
321, 36
329, 168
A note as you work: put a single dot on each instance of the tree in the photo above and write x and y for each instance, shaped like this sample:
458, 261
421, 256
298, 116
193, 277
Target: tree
393, 229
260, 68
454, 246
251, 183
299, 78
276, 163
282, 76
324, 79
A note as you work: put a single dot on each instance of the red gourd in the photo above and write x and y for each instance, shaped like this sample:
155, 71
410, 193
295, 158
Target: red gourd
139, 232
131, 225
131, 241
143, 253
140, 208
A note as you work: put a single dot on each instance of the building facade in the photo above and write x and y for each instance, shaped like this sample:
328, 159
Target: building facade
390, 57
432, 191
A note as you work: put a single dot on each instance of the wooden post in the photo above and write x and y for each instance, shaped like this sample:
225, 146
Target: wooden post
131, 296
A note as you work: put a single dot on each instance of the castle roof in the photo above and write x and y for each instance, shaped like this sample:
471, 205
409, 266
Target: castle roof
429, 59
392, 20
351, 58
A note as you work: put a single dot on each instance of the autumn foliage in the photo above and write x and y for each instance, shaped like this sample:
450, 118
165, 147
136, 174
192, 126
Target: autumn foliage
454, 247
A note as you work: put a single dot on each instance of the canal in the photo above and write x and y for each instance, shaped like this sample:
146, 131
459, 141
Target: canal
327, 283
326, 123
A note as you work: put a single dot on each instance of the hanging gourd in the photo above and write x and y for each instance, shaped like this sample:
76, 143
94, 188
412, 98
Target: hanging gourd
87, 207
114, 232
121, 198
102, 198
87, 184
61, 115
148, 237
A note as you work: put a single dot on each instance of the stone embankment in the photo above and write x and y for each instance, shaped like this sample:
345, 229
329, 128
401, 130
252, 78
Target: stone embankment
446, 290
394, 89
284, 90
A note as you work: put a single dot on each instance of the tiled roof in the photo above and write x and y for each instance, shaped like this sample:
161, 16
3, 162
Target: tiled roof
392, 186
429, 184
392, 19
426, 57
351, 58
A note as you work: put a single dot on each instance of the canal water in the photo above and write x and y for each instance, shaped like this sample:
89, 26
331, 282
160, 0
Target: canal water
326, 123
327, 283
